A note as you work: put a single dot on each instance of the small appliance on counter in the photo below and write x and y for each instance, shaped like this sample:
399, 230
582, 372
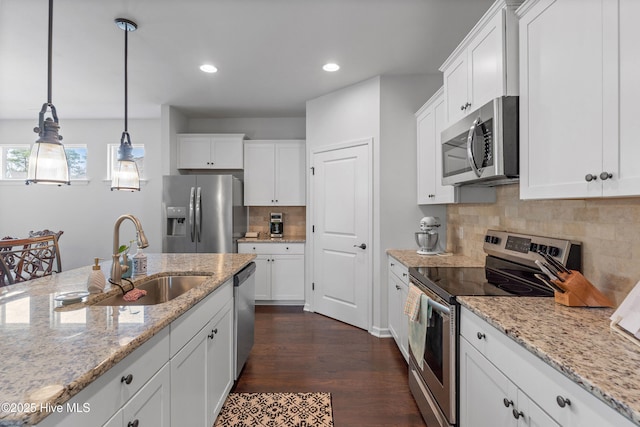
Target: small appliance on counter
427, 238
276, 225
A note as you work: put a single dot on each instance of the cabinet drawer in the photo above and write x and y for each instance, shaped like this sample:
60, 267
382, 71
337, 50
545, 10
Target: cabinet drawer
107, 394
399, 269
271, 248
188, 325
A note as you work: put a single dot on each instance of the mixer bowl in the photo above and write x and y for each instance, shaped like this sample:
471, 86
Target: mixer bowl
427, 241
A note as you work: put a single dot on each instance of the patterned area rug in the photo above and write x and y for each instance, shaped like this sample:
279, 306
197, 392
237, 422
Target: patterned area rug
276, 409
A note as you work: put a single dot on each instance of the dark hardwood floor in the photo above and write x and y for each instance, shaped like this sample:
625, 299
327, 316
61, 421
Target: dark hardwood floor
297, 351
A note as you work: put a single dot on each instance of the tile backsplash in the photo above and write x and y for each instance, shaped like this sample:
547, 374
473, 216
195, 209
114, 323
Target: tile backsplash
608, 228
294, 219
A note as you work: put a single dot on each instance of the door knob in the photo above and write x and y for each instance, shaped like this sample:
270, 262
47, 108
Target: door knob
361, 246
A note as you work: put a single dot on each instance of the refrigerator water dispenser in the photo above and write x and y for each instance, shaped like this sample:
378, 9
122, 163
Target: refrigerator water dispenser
176, 220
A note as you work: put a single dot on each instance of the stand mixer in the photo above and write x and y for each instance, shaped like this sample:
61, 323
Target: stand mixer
427, 238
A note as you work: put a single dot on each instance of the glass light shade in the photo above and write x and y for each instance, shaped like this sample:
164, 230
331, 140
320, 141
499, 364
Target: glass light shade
126, 176
48, 164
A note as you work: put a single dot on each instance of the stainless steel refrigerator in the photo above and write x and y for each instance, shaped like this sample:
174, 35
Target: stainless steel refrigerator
202, 213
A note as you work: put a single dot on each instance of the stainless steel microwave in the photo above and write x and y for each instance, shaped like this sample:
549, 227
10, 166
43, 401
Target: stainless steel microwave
482, 148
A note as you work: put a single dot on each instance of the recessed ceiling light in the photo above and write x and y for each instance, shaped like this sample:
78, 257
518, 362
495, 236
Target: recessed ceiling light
208, 68
331, 67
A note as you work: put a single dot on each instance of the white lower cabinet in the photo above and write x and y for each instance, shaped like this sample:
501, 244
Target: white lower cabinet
503, 384
202, 370
398, 289
279, 271
150, 406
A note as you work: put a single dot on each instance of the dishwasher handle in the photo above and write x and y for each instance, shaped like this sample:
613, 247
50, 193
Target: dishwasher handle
242, 275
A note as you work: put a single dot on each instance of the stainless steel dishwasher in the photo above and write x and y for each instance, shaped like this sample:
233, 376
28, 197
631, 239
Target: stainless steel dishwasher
244, 296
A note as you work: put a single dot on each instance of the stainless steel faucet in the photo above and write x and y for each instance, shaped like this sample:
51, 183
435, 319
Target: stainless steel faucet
116, 268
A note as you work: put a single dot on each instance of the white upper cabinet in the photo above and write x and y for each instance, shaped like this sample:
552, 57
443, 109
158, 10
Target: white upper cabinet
579, 83
430, 120
274, 173
485, 64
210, 151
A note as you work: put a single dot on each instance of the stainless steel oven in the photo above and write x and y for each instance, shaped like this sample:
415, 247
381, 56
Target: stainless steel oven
510, 270
432, 379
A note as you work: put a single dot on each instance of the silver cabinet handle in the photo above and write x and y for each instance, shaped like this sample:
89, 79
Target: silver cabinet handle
605, 175
517, 414
507, 402
589, 177
361, 246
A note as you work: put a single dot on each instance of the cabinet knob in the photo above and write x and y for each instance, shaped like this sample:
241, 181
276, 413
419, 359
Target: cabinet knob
480, 335
397, 287
562, 402
213, 333
462, 108
467, 105
507, 402
127, 380
605, 175
590, 177
392, 264
133, 423
517, 414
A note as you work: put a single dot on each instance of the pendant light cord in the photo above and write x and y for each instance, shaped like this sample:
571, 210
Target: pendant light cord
126, 80
50, 49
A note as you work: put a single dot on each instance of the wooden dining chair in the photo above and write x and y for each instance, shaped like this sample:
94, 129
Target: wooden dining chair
29, 258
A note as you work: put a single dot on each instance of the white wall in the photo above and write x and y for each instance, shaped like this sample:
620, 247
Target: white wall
381, 108
252, 127
85, 212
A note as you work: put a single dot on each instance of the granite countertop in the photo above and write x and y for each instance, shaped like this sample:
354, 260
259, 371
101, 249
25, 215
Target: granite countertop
51, 352
578, 342
410, 258
264, 238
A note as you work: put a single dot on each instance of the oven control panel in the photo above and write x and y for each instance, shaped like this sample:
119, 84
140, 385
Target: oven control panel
524, 248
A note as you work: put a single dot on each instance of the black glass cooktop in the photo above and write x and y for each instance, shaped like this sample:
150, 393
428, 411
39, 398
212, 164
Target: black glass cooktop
449, 282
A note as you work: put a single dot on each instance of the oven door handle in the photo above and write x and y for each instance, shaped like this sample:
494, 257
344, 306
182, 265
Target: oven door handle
441, 308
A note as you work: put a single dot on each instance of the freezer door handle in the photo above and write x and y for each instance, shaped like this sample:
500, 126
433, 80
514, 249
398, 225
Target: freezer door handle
192, 225
199, 213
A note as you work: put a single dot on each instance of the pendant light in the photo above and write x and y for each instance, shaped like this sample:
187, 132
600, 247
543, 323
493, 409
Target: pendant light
48, 161
125, 176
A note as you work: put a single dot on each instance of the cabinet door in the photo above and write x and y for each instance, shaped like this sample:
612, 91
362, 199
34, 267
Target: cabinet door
426, 141
290, 184
403, 322
188, 383
531, 415
456, 78
263, 277
443, 193
259, 173
621, 159
486, 70
561, 99
227, 152
394, 308
219, 365
194, 152
151, 405
287, 277
483, 390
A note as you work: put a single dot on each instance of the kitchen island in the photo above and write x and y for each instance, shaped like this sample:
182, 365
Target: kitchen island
52, 352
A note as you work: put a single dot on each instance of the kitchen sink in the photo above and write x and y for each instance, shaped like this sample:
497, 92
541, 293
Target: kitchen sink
159, 290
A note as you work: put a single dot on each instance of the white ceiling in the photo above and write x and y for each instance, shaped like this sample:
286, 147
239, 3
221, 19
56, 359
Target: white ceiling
269, 52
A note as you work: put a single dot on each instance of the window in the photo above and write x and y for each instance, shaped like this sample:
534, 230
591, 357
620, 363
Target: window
138, 157
14, 161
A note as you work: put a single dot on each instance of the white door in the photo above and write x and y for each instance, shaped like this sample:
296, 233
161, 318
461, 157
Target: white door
341, 212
